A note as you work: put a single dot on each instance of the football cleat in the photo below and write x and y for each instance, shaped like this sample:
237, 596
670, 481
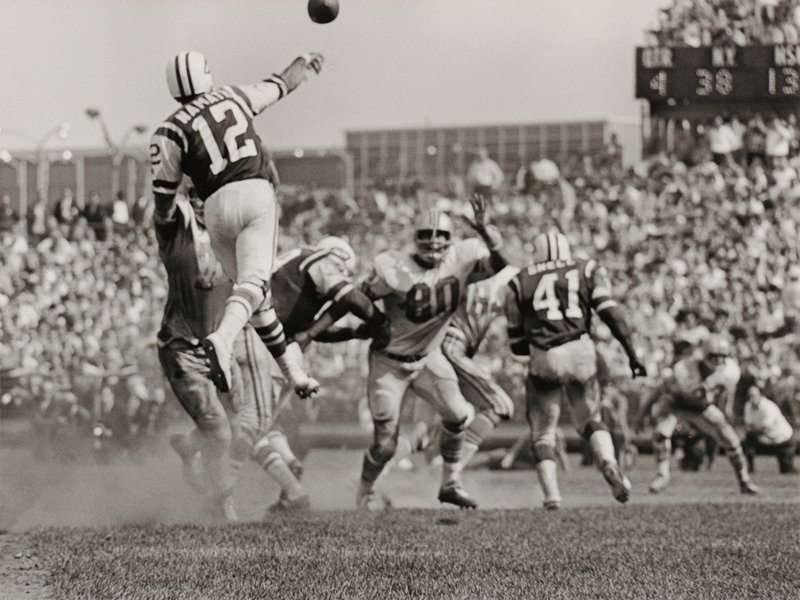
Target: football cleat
658, 484
297, 468
620, 485
219, 357
190, 460
221, 508
552, 504
458, 496
748, 487
370, 500
284, 504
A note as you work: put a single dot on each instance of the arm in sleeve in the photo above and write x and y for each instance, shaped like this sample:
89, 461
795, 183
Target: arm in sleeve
376, 286
265, 93
167, 148
516, 331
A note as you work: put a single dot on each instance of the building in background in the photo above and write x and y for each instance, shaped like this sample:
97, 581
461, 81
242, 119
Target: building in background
434, 156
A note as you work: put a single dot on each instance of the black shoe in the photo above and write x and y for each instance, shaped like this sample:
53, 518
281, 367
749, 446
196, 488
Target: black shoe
458, 496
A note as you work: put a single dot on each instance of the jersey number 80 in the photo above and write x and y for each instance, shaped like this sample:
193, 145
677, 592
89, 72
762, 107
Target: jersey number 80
424, 303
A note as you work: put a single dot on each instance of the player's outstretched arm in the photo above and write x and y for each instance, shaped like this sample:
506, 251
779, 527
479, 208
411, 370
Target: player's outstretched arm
488, 233
296, 73
265, 93
612, 317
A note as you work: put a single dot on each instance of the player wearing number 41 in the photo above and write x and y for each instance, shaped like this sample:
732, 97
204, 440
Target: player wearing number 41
211, 139
420, 288
549, 307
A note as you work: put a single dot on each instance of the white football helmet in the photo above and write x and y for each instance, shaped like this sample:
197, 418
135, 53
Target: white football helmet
188, 75
432, 235
551, 246
339, 250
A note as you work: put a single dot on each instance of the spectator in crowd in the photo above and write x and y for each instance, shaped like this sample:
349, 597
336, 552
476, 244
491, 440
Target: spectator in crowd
65, 210
484, 175
96, 216
767, 430
778, 140
723, 140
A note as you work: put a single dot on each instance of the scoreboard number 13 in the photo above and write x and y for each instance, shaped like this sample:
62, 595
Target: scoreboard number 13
791, 81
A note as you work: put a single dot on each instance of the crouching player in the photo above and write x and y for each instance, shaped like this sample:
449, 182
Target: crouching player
421, 288
688, 394
549, 307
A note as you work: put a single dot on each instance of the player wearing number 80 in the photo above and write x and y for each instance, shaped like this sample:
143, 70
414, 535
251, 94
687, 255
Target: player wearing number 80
420, 289
549, 307
211, 138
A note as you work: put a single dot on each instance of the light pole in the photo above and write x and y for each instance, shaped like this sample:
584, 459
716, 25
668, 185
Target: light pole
43, 162
117, 153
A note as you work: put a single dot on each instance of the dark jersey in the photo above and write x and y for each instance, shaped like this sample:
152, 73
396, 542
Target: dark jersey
552, 301
304, 281
212, 140
198, 287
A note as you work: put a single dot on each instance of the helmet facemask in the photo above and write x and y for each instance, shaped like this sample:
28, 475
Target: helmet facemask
432, 245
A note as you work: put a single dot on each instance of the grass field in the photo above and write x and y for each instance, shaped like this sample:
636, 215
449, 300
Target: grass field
128, 532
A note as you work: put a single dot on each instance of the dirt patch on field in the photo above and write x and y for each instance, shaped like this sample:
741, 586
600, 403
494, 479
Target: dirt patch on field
21, 573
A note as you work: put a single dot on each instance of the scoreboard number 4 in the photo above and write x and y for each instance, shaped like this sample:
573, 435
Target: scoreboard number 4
545, 297
658, 83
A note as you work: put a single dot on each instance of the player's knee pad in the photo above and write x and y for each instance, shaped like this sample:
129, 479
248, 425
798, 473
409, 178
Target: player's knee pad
481, 426
542, 450
593, 427
384, 442
264, 454
455, 427
250, 293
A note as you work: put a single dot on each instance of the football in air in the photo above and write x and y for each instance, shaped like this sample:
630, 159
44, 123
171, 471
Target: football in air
323, 11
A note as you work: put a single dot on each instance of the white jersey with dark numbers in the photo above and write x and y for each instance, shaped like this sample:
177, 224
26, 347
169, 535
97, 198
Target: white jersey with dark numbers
419, 301
212, 139
479, 307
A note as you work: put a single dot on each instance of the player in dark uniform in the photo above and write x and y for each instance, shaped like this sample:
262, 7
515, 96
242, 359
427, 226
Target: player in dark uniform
197, 291
549, 307
212, 139
311, 288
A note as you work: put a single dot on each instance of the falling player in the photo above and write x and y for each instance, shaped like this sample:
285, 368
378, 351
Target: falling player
311, 288
212, 139
688, 393
421, 288
549, 307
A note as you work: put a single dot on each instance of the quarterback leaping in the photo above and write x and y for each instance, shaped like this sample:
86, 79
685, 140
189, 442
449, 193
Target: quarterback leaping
421, 288
211, 138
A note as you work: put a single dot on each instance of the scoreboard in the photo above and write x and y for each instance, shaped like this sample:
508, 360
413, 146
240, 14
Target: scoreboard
718, 73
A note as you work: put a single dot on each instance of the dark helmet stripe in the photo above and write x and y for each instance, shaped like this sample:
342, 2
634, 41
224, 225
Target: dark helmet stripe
189, 75
178, 74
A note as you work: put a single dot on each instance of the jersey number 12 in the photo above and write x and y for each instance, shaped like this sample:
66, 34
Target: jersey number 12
235, 151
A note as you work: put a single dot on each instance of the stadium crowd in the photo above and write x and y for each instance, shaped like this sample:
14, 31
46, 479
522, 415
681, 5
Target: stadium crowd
698, 23
697, 242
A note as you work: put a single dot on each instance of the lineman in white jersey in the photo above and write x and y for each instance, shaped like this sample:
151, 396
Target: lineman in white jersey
421, 288
212, 139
